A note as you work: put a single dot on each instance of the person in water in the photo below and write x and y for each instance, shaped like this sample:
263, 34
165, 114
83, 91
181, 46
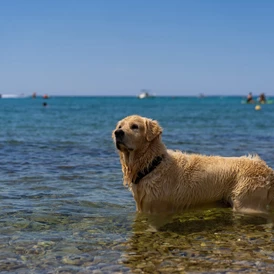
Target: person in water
262, 98
249, 98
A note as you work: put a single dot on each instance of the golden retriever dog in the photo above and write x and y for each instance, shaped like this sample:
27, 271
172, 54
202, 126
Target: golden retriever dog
167, 181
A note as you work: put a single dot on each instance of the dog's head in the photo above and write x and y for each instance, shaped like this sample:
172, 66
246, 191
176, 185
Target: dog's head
133, 132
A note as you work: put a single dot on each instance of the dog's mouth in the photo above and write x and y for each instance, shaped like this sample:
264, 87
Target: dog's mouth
119, 145
122, 147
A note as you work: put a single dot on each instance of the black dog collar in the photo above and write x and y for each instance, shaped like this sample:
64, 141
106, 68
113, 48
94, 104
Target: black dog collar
141, 174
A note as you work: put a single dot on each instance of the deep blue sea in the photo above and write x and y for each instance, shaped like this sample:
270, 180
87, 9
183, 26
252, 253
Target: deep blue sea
63, 208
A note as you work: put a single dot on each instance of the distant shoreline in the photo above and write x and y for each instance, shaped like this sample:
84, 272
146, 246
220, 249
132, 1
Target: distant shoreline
15, 96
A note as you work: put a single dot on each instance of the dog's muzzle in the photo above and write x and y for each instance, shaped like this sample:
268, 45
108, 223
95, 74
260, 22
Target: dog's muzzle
119, 136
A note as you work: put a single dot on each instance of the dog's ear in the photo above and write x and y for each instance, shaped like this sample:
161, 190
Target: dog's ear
152, 129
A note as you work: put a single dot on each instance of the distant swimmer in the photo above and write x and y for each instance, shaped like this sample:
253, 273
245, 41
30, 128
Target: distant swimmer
45, 104
262, 98
249, 98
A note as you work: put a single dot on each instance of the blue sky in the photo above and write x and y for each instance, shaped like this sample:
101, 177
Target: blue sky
118, 47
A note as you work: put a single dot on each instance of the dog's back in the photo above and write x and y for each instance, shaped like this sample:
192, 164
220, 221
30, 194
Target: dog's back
242, 181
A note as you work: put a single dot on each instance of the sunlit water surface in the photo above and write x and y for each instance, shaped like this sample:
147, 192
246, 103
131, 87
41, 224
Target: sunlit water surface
64, 209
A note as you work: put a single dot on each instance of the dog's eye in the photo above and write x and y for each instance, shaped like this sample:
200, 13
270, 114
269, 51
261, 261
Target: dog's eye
120, 127
134, 126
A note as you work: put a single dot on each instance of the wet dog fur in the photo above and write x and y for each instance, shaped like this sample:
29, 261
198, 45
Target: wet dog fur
184, 180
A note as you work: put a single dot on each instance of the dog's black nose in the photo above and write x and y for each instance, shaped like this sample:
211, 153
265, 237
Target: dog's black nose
119, 133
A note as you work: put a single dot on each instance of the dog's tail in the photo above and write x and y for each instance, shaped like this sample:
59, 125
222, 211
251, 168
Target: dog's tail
270, 196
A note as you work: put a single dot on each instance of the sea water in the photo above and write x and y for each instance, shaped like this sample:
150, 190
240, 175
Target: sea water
63, 208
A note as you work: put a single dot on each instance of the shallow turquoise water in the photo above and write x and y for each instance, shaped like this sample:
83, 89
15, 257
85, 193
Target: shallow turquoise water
63, 206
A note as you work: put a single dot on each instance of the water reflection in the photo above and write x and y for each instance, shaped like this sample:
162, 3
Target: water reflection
208, 241
203, 241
